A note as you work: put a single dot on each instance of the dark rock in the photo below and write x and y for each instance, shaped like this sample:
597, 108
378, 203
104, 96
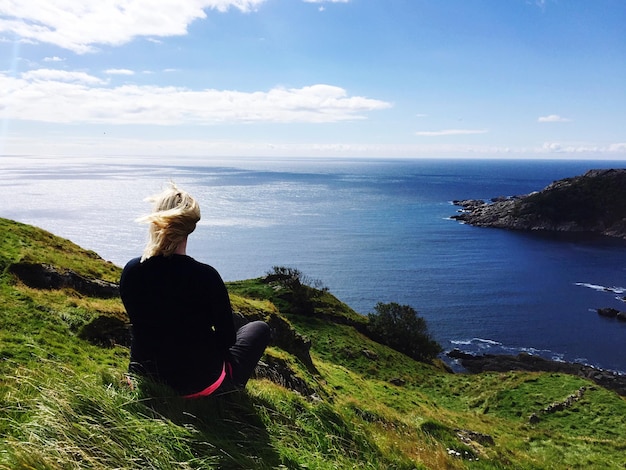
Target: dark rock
106, 330
592, 203
528, 362
608, 312
278, 371
612, 313
467, 436
288, 339
283, 335
469, 204
569, 401
45, 276
369, 354
397, 381
458, 354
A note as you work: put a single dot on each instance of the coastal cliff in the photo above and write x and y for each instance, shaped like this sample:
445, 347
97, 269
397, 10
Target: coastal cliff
593, 203
324, 396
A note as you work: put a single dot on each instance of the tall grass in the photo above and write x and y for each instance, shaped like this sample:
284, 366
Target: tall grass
56, 419
64, 403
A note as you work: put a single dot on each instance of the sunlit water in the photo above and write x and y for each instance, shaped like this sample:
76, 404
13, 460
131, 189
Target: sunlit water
372, 231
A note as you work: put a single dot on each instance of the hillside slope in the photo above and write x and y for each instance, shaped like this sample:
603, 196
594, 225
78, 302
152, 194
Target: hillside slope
326, 396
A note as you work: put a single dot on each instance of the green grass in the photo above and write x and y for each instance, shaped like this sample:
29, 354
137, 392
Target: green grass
25, 243
64, 402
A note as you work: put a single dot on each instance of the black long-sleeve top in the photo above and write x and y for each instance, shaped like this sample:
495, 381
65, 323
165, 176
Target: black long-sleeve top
182, 322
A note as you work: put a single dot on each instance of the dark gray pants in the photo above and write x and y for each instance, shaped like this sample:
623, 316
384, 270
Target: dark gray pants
252, 339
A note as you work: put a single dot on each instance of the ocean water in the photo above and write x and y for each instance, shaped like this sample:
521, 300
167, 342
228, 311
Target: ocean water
370, 230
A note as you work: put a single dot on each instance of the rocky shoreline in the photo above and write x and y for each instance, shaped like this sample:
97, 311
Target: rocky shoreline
527, 362
594, 203
590, 204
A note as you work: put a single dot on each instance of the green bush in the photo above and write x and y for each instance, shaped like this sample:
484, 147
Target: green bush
399, 327
300, 291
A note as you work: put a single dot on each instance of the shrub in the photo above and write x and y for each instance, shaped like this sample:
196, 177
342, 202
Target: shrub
302, 291
293, 278
399, 326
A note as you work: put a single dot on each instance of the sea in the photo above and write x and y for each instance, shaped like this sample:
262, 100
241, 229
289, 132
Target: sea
371, 230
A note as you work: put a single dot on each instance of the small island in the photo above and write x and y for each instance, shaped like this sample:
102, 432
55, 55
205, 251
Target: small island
593, 203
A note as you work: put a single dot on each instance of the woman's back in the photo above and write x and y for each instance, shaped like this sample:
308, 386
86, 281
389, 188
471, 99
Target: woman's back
182, 323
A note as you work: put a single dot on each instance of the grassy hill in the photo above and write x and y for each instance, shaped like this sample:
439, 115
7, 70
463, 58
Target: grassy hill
65, 403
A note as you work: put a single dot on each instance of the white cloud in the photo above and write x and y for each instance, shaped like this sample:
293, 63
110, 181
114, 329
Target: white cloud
451, 132
167, 145
119, 72
552, 118
53, 59
552, 146
80, 25
619, 147
35, 78
584, 148
76, 97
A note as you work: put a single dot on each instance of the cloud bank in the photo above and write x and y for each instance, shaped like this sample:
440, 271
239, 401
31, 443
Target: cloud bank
76, 97
81, 25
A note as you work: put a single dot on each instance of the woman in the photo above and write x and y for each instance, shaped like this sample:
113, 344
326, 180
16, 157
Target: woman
183, 333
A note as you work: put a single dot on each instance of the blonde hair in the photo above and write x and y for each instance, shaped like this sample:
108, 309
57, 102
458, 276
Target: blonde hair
174, 216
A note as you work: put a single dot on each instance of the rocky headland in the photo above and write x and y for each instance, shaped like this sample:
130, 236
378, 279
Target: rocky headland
593, 203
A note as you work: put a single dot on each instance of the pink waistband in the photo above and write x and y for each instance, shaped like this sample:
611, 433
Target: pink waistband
211, 388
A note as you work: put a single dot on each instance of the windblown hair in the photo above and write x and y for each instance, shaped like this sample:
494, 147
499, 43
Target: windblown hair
174, 216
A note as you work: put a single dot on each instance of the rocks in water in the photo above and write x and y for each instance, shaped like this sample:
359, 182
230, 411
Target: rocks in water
608, 312
468, 204
612, 313
592, 203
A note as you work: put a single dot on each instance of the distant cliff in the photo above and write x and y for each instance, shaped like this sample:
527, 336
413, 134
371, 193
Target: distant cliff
592, 203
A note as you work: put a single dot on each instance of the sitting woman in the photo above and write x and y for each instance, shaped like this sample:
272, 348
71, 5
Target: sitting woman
183, 331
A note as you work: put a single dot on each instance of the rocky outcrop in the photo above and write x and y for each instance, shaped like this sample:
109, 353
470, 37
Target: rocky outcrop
592, 203
534, 418
107, 331
46, 276
528, 362
610, 312
279, 371
284, 336
288, 339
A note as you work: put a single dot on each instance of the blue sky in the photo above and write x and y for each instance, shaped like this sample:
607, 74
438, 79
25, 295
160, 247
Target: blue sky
381, 78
